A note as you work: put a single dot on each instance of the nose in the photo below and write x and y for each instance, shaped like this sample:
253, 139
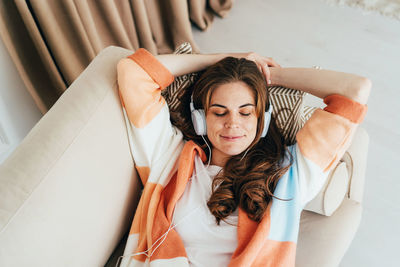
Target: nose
232, 121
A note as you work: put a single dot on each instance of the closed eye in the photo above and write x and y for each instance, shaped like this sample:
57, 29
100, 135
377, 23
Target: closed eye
223, 114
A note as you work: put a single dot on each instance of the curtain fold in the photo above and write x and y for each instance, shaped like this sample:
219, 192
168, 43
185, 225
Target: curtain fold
52, 41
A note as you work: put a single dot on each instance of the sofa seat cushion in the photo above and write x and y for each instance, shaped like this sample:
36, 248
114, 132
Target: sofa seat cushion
324, 240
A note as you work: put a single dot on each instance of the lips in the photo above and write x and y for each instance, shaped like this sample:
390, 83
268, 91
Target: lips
231, 138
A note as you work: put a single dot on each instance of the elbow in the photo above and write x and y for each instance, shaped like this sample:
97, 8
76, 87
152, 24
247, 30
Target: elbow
362, 89
124, 72
122, 64
120, 68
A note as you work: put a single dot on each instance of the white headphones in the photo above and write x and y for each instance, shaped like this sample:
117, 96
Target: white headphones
200, 125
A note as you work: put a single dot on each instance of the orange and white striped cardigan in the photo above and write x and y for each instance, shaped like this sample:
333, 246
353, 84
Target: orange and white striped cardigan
165, 162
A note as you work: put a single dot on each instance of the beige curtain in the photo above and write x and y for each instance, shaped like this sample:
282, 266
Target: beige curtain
52, 41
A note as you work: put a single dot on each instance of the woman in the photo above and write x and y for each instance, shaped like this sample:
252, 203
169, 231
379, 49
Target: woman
240, 206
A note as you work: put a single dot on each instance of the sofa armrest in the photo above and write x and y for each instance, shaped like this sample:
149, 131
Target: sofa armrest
345, 180
69, 191
356, 163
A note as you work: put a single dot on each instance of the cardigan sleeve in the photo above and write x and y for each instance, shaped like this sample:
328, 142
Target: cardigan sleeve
323, 140
155, 142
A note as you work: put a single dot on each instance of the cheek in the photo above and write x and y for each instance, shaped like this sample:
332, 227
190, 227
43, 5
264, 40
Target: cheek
251, 125
213, 125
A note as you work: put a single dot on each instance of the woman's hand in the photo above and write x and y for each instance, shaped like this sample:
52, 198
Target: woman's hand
263, 63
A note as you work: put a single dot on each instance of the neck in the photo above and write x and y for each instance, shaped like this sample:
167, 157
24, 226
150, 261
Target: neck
218, 158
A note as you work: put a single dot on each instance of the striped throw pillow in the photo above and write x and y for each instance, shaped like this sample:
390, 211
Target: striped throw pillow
287, 103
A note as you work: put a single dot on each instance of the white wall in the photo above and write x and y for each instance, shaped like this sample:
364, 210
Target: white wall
18, 112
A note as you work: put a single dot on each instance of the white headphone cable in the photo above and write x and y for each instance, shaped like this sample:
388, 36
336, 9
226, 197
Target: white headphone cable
209, 149
247, 150
163, 237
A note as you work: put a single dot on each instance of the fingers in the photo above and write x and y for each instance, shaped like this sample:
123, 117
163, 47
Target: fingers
267, 73
263, 63
272, 63
264, 69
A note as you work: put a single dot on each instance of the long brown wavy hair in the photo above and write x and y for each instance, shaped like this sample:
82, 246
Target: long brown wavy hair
246, 181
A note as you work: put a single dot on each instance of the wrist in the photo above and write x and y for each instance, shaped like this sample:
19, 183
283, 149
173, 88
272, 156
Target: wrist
274, 75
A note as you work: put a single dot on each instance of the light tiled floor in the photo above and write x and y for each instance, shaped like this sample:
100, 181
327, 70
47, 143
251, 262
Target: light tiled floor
306, 33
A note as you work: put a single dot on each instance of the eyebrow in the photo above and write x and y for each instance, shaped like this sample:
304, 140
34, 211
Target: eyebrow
222, 106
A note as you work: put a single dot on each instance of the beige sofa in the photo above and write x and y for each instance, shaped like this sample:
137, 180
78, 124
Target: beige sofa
68, 192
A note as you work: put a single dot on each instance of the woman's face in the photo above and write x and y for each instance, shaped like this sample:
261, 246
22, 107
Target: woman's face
231, 121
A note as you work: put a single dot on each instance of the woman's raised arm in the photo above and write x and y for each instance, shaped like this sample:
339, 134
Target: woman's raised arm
187, 63
326, 136
323, 83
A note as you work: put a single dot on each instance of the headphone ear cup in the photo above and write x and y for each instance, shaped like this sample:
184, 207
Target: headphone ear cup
267, 119
199, 122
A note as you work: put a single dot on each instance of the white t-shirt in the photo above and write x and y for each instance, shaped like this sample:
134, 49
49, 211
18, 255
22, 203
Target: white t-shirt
206, 243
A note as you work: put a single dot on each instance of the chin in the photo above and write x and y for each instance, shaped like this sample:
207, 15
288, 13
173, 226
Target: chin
233, 151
